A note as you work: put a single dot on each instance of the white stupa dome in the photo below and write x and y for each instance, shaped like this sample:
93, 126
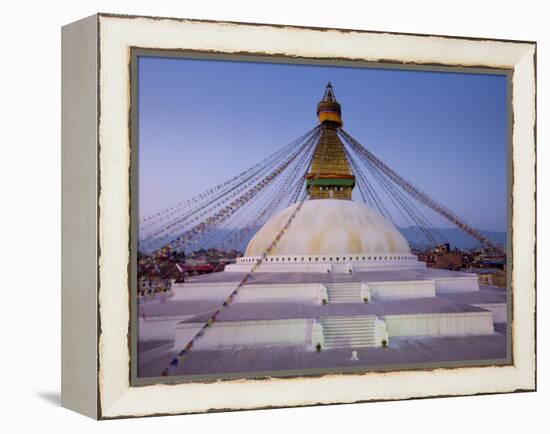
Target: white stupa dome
329, 227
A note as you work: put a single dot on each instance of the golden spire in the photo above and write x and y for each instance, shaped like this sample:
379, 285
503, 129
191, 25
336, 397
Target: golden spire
330, 176
328, 109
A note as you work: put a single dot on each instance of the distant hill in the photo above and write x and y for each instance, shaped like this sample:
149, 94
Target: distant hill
455, 237
213, 239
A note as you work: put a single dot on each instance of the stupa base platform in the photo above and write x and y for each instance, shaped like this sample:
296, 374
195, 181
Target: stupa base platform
432, 316
316, 287
301, 313
275, 360
446, 279
309, 325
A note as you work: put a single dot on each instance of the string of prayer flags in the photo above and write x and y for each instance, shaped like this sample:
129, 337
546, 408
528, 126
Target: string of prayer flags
210, 321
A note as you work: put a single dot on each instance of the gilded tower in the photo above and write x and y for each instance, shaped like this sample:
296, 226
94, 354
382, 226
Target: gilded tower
330, 176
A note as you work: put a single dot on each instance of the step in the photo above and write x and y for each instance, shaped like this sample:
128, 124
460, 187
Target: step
348, 325
352, 324
340, 288
345, 320
350, 296
353, 297
345, 300
349, 340
349, 328
349, 335
349, 344
344, 297
335, 296
344, 291
335, 346
343, 286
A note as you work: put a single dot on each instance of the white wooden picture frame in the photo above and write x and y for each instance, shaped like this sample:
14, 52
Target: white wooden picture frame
96, 157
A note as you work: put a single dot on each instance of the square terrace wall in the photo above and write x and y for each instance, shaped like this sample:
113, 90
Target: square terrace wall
402, 289
464, 283
440, 324
233, 334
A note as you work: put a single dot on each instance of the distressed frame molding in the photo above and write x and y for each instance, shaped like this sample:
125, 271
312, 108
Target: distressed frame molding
97, 335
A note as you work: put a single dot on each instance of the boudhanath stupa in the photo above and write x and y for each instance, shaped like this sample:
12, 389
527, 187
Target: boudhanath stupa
340, 288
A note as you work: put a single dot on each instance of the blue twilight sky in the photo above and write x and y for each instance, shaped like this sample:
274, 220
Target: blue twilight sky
203, 121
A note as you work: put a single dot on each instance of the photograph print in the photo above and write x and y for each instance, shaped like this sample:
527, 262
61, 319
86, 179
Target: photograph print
309, 218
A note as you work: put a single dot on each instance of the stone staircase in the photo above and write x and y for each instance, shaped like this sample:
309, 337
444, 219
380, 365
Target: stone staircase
349, 331
344, 293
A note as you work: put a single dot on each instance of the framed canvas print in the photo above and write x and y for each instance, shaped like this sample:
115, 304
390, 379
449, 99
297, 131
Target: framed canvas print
260, 216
